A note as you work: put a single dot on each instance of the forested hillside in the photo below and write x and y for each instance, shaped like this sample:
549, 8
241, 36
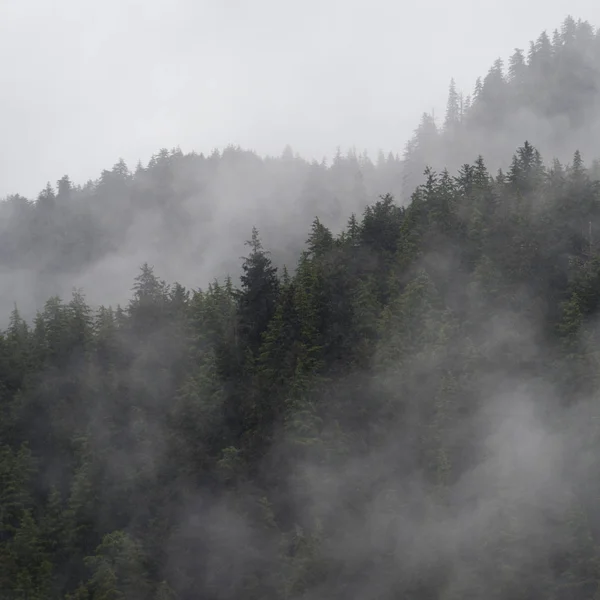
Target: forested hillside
188, 214
548, 92
404, 408
411, 414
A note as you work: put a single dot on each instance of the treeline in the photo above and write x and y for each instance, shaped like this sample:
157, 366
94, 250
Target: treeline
411, 413
184, 213
188, 213
548, 93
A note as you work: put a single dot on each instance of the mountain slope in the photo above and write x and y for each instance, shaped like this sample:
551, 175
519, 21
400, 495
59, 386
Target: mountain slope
548, 94
410, 412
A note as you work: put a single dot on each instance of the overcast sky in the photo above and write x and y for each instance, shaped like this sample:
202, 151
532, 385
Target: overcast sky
84, 83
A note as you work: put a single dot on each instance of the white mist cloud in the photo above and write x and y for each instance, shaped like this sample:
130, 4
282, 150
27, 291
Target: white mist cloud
85, 83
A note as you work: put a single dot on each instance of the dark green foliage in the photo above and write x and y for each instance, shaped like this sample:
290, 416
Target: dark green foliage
262, 441
409, 412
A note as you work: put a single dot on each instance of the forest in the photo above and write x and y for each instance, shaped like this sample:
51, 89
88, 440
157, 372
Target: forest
398, 400
173, 211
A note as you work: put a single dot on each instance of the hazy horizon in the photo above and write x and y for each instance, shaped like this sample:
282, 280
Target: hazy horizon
126, 79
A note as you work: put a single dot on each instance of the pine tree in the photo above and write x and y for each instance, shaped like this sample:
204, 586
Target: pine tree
118, 569
453, 118
258, 294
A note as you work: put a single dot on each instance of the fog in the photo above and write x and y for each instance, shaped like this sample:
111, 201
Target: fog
96, 87
86, 83
410, 411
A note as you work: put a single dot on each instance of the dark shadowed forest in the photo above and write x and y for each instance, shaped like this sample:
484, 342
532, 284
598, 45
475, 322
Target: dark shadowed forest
394, 393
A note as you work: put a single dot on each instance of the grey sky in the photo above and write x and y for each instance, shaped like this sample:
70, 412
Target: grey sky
86, 82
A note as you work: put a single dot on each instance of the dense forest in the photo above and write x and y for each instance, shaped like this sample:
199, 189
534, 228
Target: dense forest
406, 409
188, 214
549, 93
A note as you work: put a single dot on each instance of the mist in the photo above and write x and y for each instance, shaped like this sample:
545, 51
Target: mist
172, 96
127, 78
309, 306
